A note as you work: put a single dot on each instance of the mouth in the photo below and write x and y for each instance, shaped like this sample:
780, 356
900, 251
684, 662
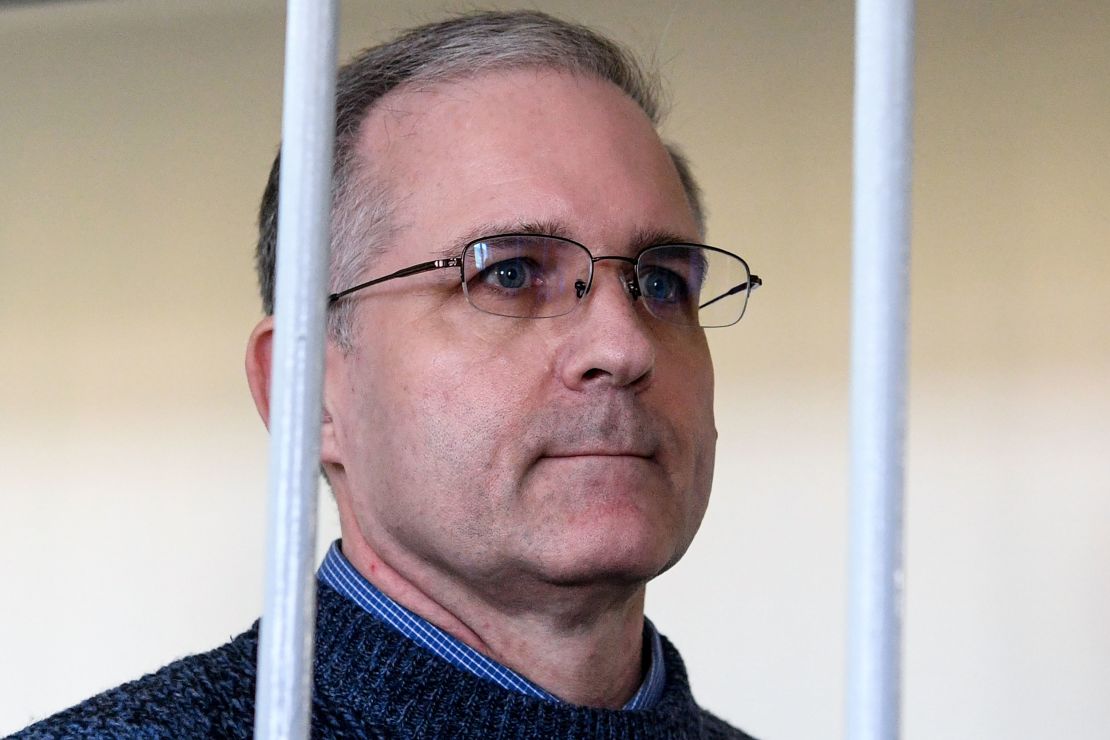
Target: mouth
601, 459
600, 453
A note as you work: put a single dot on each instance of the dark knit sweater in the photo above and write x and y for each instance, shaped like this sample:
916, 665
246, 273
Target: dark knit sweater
370, 681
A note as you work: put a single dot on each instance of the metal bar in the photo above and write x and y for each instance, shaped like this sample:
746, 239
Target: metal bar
283, 702
882, 152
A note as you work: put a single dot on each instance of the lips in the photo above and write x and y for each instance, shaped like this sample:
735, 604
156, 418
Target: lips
616, 443
602, 453
642, 448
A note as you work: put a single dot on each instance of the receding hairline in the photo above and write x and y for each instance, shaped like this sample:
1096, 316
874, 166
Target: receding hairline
366, 165
437, 83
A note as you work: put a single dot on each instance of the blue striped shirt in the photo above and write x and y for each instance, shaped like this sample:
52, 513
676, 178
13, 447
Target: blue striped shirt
337, 572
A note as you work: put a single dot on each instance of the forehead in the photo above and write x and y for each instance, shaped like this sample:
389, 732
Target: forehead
525, 145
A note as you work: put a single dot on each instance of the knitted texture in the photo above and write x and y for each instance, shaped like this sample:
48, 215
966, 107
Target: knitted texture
370, 682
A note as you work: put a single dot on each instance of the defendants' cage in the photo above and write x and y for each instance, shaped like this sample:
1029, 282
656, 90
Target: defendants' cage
880, 277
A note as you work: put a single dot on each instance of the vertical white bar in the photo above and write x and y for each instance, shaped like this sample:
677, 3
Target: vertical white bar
283, 701
880, 276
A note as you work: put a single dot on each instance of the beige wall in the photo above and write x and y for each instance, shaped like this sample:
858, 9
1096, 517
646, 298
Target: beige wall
134, 141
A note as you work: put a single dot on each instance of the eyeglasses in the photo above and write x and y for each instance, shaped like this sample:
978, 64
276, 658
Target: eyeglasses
531, 276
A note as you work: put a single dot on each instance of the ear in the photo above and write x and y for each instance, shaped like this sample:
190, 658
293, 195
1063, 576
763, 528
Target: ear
334, 373
259, 365
259, 362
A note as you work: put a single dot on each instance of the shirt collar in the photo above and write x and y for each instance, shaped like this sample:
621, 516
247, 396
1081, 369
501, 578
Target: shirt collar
338, 573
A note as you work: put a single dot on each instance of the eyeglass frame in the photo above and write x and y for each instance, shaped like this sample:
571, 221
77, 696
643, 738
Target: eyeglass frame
632, 285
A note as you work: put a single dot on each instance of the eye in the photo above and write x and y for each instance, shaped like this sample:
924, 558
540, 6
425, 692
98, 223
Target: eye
510, 274
663, 286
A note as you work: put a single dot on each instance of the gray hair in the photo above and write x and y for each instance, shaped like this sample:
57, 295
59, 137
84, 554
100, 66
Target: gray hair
464, 46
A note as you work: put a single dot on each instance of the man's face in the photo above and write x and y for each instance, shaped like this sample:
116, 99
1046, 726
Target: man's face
513, 453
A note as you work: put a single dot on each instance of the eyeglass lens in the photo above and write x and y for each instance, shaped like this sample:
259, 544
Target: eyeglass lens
530, 276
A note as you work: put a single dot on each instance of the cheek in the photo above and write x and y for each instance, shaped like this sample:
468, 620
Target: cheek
686, 372
686, 388
452, 418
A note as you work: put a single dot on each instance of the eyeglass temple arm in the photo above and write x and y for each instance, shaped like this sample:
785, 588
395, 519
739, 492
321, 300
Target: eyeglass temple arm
753, 282
405, 272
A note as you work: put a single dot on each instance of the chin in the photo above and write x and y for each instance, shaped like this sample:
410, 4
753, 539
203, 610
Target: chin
625, 556
623, 524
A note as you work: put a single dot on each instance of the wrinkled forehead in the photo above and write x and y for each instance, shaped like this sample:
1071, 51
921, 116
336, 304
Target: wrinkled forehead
531, 145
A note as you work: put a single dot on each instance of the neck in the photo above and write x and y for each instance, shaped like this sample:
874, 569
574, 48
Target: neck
582, 644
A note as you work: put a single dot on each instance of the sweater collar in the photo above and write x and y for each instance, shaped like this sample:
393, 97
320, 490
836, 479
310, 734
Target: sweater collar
338, 573
367, 672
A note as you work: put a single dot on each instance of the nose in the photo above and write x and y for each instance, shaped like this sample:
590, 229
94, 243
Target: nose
610, 340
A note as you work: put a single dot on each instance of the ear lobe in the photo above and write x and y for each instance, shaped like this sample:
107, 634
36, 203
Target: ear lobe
259, 363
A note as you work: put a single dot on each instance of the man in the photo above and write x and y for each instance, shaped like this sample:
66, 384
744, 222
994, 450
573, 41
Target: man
518, 421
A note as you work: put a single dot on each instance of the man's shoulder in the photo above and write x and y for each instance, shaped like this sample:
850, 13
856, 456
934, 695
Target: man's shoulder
205, 695
715, 728
679, 698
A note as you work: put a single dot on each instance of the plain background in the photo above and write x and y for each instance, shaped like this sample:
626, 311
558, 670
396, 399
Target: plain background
135, 138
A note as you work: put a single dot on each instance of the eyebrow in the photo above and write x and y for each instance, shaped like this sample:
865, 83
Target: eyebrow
644, 238
543, 227
641, 239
